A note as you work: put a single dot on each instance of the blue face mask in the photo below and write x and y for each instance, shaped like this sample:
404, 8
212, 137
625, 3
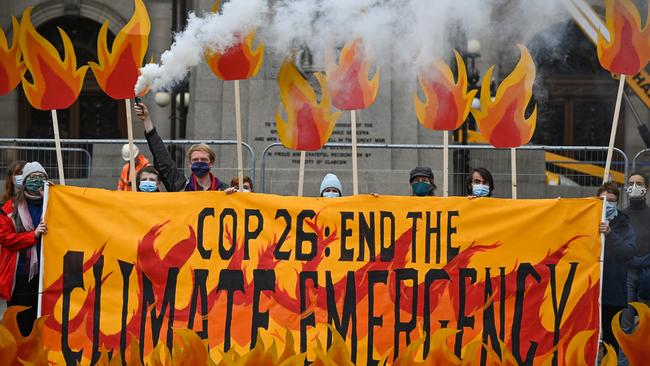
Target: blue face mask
480, 190
147, 186
331, 194
18, 180
200, 169
421, 188
610, 211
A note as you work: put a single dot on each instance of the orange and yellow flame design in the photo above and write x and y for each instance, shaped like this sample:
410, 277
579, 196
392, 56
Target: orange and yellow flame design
56, 83
628, 49
309, 122
349, 80
503, 122
447, 102
11, 66
117, 70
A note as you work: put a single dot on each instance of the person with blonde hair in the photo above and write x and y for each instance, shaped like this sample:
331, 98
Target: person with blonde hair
200, 158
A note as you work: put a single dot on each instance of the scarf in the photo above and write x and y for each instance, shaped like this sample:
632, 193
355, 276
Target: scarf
24, 224
193, 185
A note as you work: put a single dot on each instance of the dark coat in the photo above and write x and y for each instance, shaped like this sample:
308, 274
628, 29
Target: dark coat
173, 180
619, 249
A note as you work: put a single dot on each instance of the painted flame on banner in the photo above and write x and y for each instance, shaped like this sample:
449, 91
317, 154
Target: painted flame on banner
628, 49
56, 83
117, 70
503, 121
238, 62
309, 123
349, 81
11, 67
447, 102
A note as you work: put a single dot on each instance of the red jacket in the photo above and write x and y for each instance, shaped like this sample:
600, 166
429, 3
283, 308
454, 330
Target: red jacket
10, 245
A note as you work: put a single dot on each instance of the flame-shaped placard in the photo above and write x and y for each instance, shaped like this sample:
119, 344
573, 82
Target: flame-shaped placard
11, 67
349, 80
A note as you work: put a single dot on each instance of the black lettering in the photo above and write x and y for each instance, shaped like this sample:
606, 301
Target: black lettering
502, 304
342, 324
250, 235
98, 269
306, 320
72, 278
367, 237
347, 254
452, 251
489, 327
431, 276
430, 231
374, 277
638, 79
525, 270
302, 236
199, 291
149, 301
205, 253
223, 252
231, 281
386, 253
414, 216
125, 269
463, 320
401, 275
264, 280
558, 309
277, 252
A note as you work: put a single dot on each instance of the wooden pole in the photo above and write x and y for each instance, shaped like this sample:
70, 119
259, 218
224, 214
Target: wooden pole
355, 170
445, 164
57, 144
129, 132
612, 135
602, 265
240, 158
513, 171
301, 173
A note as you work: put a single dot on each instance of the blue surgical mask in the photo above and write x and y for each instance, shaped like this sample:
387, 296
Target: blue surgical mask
147, 186
480, 190
610, 211
421, 188
200, 169
18, 180
331, 194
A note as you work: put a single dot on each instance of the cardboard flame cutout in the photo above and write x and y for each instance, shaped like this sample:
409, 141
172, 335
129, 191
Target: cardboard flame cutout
309, 123
349, 81
628, 49
503, 121
117, 70
56, 83
11, 68
447, 102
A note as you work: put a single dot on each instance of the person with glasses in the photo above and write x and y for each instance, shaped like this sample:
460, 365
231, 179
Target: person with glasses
619, 249
21, 231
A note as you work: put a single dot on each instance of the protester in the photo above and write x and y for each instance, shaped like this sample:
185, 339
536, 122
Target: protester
421, 180
14, 179
619, 248
331, 186
148, 180
200, 159
638, 275
234, 185
20, 234
479, 183
124, 184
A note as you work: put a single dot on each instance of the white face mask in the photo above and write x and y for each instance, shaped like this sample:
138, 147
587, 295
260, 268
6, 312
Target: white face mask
636, 191
331, 194
18, 180
245, 190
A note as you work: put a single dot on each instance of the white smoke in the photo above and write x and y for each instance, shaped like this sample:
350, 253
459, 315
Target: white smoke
400, 33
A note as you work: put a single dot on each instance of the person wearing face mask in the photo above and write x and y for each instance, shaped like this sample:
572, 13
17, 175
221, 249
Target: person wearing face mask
20, 237
14, 179
148, 180
331, 186
234, 185
421, 180
619, 249
141, 161
479, 183
200, 159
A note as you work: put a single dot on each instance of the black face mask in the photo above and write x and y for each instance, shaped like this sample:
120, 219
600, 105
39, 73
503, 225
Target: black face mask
200, 169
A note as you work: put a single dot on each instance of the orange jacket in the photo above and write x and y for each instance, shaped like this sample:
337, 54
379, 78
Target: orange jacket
124, 184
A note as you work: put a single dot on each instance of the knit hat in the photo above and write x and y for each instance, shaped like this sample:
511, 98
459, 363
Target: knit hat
125, 152
331, 181
33, 167
421, 171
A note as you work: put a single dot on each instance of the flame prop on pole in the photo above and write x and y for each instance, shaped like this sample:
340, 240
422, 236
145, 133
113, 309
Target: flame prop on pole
117, 70
56, 83
447, 103
626, 53
309, 123
11, 66
239, 62
352, 89
503, 122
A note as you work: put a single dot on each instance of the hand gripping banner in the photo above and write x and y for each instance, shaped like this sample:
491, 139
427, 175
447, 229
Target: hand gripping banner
244, 271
